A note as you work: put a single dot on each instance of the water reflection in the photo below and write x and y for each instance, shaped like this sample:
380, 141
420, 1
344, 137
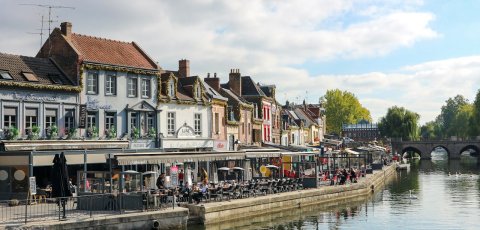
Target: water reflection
444, 202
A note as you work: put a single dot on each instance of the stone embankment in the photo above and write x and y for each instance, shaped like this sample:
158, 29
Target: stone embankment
217, 212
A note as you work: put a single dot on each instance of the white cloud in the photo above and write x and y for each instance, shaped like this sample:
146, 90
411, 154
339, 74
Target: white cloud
267, 40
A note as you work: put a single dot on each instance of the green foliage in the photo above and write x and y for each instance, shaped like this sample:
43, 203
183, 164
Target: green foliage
151, 132
400, 123
52, 132
431, 130
10, 133
111, 132
33, 133
343, 107
135, 133
448, 115
92, 132
71, 133
475, 119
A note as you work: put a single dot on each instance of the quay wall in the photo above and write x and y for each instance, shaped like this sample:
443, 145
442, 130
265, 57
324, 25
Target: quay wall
216, 212
167, 219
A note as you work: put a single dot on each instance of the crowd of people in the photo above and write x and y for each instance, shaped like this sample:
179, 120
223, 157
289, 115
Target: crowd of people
342, 176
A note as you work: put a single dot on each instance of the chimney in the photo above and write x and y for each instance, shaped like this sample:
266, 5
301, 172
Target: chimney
66, 28
213, 82
235, 81
184, 68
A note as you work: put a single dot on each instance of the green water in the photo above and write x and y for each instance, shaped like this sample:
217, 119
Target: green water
442, 202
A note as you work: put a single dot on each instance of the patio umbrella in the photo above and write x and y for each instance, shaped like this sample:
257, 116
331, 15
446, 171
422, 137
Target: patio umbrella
238, 168
60, 186
272, 167
223, 169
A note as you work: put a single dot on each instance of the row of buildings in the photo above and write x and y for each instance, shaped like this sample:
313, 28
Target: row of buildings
85, 87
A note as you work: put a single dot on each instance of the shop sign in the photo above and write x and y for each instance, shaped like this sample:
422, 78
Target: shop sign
33, 185
185, 131
94, 104
83, 117
174, 175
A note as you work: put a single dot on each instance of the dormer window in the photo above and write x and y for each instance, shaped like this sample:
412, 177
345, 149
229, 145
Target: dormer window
5, 75
171, 88
198, 92
30, 76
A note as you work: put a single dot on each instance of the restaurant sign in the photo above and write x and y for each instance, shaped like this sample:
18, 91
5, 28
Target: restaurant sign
83, 117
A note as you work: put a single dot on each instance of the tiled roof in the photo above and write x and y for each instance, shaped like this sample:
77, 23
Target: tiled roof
111, 52
212, 92
232, 96
44, 69
249, 88
268, 90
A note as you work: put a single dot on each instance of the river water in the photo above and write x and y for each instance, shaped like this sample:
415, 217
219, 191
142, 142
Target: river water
438, 201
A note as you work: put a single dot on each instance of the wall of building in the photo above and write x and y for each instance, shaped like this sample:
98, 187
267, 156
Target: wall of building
41, 101
102, 103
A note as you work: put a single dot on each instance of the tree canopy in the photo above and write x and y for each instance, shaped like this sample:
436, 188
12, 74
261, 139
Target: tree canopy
343, 107
400, 123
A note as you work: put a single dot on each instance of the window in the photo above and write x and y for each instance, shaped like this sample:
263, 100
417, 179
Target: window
243, 128
249, 129
198, 124
30, 118
69, 119
132, 87
217, 123
92, 82
30, 76
109, 120
171, 123
150, 121
133, 120
255, 110
6, 76
198, 92
146, 88
50, 117
171, 88
91, 119
9, 117
111, 84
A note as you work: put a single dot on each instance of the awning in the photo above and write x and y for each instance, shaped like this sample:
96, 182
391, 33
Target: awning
157, 158
72, 159
349, 151
63, 145
262, 154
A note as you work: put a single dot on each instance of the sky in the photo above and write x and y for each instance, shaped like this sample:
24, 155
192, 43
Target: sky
410, 53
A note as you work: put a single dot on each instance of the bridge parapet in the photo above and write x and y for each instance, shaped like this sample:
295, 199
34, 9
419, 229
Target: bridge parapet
454, 148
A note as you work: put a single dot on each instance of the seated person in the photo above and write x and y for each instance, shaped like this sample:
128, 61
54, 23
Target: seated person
198, 193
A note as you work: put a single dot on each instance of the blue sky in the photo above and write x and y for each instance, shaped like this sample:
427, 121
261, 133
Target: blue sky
411, 53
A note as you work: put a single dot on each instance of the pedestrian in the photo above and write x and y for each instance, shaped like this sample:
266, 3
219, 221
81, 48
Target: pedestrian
353, 176
180, 177
161, 181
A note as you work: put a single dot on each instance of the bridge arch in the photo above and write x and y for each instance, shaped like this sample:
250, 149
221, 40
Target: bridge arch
412, 149
442, 147
472, 147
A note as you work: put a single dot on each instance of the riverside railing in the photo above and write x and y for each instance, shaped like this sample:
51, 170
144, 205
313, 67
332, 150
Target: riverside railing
18, 212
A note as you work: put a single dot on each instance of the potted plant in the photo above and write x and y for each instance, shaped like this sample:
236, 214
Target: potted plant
52, 132
33, 133
151, 132
135, 133
111, 132
92, 132
71, 133
10, 133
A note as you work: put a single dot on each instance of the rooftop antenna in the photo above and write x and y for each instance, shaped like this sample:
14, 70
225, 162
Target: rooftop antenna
50, 7
306, 96
40, 33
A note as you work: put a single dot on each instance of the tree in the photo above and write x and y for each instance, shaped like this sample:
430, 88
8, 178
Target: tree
461, 125
428, 131
449, 112
400, 123
475, 119
343, 107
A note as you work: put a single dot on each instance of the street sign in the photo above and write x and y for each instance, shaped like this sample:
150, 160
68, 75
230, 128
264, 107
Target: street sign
33, 185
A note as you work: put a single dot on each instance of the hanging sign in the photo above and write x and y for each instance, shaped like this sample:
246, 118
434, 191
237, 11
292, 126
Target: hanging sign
33, 185
83, 117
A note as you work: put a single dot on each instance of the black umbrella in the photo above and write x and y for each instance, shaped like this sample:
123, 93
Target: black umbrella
60, 186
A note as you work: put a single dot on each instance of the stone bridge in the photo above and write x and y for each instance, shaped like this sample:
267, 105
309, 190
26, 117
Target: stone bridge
424, 148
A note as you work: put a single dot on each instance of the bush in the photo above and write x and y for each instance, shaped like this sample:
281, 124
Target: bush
111, 133
151, 132
33, 133
92, 132
135, 133
10, 133
71, 133
52, 132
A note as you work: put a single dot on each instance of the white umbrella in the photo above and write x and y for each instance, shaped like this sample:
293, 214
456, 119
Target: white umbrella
272, 166
224, 169
238, 168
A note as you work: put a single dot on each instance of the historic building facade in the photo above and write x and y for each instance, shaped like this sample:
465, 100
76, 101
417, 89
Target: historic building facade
37, 99
186, 117
119, 85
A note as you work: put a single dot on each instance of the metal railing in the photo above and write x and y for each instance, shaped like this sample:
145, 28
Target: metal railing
19, 212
